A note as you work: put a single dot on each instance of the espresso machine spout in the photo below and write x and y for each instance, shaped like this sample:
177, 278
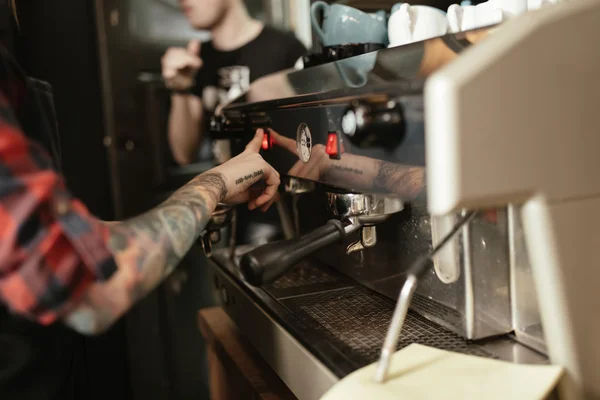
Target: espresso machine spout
222, 217
368, 239
297, 187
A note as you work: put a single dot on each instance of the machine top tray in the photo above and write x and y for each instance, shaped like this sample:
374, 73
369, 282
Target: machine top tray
404, 66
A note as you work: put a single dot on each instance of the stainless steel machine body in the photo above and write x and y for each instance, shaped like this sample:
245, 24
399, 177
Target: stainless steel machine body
469, 290
514, 121
356, 127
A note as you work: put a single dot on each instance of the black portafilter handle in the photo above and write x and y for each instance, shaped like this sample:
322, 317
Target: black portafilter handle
268, 262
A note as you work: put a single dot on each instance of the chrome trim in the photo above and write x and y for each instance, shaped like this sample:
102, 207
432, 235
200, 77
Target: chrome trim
346, 205
301, 371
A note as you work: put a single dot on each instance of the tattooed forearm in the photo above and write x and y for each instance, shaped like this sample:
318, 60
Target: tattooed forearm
363, 173
214, 186
180, 225
147, 248
405, 181
248, 177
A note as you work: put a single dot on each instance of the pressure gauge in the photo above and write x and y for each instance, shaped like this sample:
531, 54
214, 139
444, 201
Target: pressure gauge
304, 142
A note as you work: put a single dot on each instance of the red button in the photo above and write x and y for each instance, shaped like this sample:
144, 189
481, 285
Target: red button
267, 141
333, 144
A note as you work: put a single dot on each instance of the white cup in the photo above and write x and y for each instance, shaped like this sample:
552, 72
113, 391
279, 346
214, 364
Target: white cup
511, 8
414, 23
488, 13
537, 4
463, 18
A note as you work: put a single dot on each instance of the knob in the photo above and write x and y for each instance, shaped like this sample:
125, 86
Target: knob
374, 125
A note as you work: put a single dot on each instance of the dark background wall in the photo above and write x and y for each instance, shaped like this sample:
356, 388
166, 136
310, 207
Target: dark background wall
57, 42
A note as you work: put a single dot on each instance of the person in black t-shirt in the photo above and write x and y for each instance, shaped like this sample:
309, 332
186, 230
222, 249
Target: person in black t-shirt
202, 76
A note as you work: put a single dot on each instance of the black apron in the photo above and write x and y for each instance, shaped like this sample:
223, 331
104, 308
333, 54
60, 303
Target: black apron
39, 362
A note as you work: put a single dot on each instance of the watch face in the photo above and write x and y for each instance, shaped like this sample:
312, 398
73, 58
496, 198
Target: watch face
304, 142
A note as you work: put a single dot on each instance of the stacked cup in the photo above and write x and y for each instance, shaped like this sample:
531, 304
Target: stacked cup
409, 24
462, 18
465, 17
343, 25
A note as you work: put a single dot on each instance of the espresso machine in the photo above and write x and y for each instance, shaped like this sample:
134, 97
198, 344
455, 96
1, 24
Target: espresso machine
381, 154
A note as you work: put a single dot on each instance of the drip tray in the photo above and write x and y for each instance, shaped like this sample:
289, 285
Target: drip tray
307, 278
344, 324
356, 320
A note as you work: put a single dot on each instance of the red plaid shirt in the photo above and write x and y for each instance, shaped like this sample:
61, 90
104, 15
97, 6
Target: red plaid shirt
51, 248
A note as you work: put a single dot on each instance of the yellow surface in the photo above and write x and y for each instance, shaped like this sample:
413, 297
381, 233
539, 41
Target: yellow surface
421, 372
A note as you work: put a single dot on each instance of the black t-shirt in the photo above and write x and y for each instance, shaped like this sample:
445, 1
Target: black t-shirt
224, 76
227, 74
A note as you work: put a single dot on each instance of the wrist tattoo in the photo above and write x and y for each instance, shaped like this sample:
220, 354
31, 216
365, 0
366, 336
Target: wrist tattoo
212, 181
333, 172
253, 175
351, 170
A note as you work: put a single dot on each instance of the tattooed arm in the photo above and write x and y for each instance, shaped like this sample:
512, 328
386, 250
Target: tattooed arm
147, 248
406, 181
362, 173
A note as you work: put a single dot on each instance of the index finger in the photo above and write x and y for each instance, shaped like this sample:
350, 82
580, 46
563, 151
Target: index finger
191, 61
256, 142
194, 47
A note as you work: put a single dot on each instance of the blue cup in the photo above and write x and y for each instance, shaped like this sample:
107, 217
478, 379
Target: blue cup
354, 71
380, 15
347, 25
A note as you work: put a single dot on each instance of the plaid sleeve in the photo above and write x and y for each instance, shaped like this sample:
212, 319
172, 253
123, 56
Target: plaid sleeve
51, 248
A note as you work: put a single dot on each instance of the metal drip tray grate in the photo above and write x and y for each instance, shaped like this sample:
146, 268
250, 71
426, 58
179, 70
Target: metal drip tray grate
342, 324
435, 310
305, 278
356, 320
304, 274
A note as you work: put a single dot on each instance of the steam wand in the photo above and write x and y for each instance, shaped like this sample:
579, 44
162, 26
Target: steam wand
416, 271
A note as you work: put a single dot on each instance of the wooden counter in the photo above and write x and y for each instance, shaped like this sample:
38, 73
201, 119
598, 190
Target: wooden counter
236, 370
